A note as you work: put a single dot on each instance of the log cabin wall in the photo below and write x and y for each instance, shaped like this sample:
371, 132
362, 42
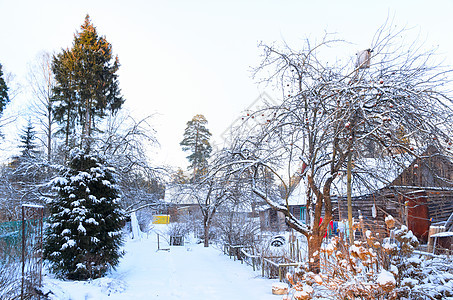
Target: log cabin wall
383, 203
430, 170
428, 178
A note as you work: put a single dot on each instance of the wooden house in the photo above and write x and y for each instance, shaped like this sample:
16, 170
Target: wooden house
417, 193
181, 201
272, 220
420, 195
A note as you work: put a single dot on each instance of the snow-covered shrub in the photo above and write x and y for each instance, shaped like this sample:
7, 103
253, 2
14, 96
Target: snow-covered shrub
417, 277
192, 221
11, 283
84, 235
178, 229
375, 268
426, 278
351, 271
364, 270
237, 229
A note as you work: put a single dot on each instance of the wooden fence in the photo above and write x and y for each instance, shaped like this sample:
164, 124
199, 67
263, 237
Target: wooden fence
271, 266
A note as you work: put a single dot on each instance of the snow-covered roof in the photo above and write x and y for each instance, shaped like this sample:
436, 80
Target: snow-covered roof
443, 234
242, 207
299, 195
369, 175
182, 194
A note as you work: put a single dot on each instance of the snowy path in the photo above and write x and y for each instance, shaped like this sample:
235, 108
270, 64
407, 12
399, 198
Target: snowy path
188, 272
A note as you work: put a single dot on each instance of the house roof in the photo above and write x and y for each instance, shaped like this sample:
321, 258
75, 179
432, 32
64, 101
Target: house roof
299, 195
181, 194
187, 194
369, 175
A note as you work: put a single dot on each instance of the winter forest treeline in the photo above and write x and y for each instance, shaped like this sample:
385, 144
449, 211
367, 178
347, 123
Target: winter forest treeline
337, 127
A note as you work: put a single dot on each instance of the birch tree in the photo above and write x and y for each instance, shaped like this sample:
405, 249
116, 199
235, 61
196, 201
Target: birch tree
42, 83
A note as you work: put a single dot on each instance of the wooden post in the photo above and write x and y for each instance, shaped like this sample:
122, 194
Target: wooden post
349, 194
434, 246
41, 217
298, 251
158, 243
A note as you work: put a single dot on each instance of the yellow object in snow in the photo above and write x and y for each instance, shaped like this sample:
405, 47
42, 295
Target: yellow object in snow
161, 219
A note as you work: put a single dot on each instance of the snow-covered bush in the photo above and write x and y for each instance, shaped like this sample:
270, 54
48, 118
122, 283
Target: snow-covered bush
347, 272
237, 229
417, 277
426, 278
84, 235
370, 268
178, 229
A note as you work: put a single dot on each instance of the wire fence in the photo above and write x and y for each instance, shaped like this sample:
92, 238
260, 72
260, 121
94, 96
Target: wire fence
10, 241
21, 255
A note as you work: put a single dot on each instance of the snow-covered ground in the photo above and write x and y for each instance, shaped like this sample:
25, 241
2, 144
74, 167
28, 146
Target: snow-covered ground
185, 272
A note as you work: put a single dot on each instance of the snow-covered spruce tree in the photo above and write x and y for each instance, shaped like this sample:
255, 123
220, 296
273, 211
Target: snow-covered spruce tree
84, 237
4, 99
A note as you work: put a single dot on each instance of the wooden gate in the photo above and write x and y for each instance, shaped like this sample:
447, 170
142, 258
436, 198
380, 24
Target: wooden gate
32, 247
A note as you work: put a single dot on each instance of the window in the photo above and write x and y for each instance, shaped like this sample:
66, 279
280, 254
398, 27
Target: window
302, 214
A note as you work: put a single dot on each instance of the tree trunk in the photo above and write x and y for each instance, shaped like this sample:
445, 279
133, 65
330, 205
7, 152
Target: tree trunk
67, 130
349, 196
314, 247
49, 136
206, 225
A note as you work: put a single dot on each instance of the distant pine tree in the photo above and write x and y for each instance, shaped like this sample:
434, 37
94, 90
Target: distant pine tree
84, 237
196, 141
4, 99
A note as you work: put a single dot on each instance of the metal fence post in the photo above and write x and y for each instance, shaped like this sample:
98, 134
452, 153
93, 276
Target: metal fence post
23, 254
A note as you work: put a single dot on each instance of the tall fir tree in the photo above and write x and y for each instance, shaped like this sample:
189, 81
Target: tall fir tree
84, 237
4, 99
86, 82
196, 141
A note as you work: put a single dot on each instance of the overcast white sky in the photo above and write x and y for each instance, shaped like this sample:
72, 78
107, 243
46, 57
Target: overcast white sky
181, 58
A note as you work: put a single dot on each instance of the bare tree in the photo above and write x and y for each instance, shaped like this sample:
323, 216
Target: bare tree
42, 82
127, 144
395, 102
219, 186
13, 88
